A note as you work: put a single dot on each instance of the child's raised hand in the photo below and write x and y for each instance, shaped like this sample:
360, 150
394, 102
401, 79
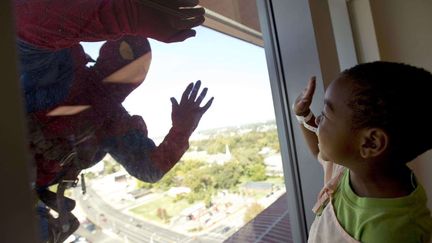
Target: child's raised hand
304, 100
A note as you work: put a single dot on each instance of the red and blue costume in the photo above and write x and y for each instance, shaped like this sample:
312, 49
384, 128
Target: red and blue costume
75, 112
54, 73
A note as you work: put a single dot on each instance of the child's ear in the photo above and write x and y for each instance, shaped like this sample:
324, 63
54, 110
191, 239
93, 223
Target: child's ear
374, 142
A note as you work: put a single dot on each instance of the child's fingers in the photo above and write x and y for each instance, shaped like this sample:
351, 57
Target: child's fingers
300, 107
310, 89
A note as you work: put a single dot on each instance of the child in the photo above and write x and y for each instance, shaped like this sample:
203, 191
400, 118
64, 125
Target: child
370, 128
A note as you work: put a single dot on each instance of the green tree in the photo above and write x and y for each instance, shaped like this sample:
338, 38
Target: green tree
163, 215
184, 167
227, 176
252, 211
257, 172
208, 200
90, 175
110, 167
143, 184
167, 181
199, 180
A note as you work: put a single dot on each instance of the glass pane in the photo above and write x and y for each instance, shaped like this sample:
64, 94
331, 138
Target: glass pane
120, 149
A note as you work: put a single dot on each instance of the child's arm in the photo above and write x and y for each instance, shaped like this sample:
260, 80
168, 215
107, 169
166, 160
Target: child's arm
301, 108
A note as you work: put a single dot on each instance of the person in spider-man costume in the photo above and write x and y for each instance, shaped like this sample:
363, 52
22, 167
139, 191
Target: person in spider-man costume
75, 113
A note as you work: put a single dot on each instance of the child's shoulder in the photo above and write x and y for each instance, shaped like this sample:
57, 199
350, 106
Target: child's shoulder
397, 230
402, 219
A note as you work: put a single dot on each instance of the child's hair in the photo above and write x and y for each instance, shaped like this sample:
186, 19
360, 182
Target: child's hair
396, 98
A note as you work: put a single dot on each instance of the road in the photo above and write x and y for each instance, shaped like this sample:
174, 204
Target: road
119, 226
131, 229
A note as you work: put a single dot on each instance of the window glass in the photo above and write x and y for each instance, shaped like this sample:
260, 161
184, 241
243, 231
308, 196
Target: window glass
142, 130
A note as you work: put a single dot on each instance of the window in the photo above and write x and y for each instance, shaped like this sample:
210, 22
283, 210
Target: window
232, 170
231, 173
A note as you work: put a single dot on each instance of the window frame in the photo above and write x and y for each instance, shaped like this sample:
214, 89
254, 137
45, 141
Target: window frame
18, 222
294, 53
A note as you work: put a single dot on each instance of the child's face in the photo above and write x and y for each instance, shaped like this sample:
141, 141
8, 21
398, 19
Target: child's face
337, 140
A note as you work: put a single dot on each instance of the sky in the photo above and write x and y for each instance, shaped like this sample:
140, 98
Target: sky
234, 71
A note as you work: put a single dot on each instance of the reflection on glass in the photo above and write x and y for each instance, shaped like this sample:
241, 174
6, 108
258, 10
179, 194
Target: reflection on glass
101, 171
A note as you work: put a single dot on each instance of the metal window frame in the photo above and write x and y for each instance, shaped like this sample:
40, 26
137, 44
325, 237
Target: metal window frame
299, 42
18, 223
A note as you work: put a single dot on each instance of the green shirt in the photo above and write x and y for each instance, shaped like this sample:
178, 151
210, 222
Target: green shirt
381, 220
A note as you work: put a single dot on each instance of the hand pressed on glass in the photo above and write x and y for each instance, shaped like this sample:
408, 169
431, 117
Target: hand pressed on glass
187, 114
175, 19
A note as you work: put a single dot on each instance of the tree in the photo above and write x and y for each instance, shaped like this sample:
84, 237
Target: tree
90, 175
143, 184
163, 215
228, 175
199, 180
110, 167
168, 180
252, 211
257, 171
208, 200
184, 167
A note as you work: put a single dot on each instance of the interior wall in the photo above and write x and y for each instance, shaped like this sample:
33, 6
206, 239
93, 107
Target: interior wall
403, 31
343, 33
396, 30
363, 29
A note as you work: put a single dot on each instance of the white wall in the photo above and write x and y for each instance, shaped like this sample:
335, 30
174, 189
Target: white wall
396, 30
403, 30
363, 29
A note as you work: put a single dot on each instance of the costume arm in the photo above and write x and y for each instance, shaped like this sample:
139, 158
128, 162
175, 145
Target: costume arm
64, 23
132, 150
185, 118
170, 150
139, 155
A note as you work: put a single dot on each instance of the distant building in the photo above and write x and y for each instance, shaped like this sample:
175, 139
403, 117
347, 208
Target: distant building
266, 151
274, 165
174, 191
257, 186
139, 193
194, 212
122, 178
219, 158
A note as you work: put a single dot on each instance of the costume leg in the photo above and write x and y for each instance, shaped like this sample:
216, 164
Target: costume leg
46, 76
